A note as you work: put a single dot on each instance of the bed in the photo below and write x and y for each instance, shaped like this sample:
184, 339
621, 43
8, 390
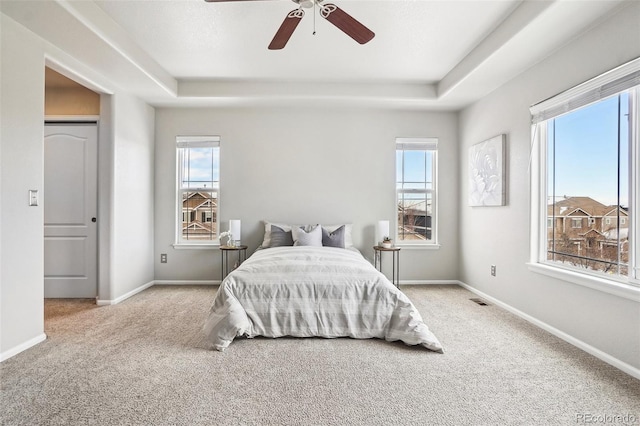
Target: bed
305, 291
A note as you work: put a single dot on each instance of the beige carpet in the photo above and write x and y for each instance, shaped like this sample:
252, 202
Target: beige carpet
143, 362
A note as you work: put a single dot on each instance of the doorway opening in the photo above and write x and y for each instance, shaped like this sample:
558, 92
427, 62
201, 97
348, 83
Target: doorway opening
69, 197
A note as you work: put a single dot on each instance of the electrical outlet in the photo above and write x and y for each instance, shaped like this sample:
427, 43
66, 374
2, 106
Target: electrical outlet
493, 270
163, 258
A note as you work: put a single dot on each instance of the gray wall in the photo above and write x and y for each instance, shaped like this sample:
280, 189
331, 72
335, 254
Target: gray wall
125, 192
500, 236
305, 166
133, 195
21, 139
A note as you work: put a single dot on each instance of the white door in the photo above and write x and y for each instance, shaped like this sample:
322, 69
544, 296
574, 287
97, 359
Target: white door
70, 206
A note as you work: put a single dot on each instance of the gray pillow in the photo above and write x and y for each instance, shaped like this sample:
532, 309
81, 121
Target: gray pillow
280, 237
333, 239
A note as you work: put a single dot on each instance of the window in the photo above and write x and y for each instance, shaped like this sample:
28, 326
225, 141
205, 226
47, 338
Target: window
416, 171
208, 216
198, 186
586, 163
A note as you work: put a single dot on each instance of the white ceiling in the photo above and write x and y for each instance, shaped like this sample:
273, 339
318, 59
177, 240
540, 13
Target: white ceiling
435, 54
415, 41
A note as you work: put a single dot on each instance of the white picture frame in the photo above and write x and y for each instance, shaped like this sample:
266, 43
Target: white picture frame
487, 186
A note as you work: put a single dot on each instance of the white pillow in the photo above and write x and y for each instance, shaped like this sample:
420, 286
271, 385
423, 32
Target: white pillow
348, 240
304, 238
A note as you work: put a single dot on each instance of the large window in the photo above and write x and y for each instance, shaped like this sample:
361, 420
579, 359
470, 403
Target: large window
198, 189
587, 182
416, 171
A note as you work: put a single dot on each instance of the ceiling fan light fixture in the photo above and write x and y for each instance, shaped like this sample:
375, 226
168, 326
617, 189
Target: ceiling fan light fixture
305, 3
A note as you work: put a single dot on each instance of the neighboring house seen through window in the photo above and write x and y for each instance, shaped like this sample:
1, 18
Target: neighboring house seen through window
198, 189
416, 171
586, 159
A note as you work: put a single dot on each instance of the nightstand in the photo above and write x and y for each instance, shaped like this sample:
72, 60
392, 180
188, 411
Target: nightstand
224, 252
395, 252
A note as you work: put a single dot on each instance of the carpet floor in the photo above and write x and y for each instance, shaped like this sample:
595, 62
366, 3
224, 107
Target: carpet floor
144, 362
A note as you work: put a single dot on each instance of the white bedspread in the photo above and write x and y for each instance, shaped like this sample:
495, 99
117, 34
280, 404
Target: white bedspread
313, 291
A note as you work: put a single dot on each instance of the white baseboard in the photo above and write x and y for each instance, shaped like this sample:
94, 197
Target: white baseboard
22, 347
106, 302
429, 282
621, 365
187, 282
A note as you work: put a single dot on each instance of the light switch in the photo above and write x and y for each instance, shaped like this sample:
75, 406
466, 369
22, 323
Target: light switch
33, 197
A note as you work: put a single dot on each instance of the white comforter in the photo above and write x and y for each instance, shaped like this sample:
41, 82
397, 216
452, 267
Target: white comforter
313, 291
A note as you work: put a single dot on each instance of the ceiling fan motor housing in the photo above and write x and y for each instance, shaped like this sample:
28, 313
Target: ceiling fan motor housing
305, 3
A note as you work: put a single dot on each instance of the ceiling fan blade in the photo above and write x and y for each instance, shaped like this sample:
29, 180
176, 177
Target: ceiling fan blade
347, 23
286, 29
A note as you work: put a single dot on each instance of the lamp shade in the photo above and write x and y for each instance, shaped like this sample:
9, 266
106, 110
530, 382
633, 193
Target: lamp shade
234, 228
383, 229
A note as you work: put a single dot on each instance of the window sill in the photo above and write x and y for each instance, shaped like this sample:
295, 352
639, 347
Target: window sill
602, 284
188, 246
418, 246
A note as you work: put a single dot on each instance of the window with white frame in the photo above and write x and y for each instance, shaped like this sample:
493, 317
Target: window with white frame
416, 173
198, 189
586, 158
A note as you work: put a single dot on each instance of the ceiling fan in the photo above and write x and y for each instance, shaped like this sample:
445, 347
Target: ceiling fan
332, 13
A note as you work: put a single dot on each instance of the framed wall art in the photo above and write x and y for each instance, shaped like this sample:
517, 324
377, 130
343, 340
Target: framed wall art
487, 186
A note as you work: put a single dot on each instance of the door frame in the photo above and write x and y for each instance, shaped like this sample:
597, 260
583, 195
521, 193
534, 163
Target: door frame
105, 167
